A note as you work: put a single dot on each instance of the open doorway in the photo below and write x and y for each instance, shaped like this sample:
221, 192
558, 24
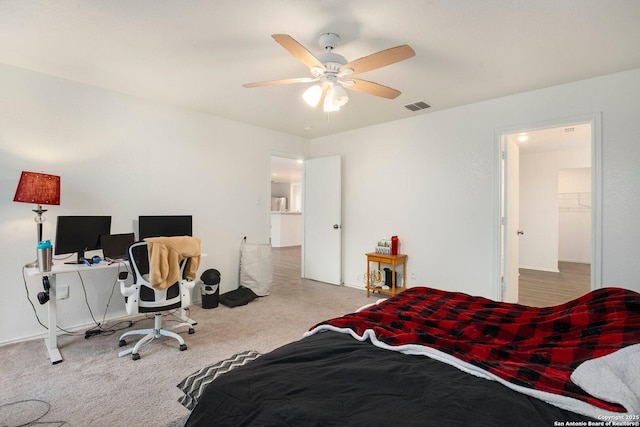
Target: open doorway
308, 225
549, 229
286, 214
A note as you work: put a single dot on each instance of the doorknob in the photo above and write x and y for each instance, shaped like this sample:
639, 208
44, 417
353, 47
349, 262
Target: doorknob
520, 232
336, 226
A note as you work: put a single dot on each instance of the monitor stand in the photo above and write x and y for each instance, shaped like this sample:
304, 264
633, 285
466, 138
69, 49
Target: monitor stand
79, 258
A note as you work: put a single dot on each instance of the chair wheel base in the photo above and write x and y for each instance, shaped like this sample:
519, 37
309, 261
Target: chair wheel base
192, 331
122, 343
183, 347
135, 356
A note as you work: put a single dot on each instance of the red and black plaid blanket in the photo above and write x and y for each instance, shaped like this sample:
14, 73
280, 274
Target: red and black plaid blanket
536, 348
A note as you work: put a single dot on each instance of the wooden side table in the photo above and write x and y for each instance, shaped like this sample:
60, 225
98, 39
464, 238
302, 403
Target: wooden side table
393, 261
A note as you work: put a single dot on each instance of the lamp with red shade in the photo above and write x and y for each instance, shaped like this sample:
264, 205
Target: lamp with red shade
41, 189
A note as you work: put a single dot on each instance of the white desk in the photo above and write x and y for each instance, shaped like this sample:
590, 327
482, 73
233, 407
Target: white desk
58, 268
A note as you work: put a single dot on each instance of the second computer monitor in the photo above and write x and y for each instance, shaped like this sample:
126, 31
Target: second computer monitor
164, 226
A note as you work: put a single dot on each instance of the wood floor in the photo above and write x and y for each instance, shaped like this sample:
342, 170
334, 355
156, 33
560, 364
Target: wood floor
286, 264
537, 288
544, 288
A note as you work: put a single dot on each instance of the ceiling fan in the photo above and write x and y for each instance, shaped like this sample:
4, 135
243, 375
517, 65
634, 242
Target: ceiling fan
333, 72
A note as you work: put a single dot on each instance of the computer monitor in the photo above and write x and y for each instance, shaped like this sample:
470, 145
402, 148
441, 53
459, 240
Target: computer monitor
79, 234
164, 226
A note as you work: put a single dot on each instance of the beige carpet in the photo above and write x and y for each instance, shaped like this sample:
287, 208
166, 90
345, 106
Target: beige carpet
93, 387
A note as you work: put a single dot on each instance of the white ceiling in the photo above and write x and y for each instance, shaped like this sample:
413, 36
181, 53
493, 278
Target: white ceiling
197, 54
286, 170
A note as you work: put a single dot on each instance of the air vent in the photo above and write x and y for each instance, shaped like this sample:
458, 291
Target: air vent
569, 129
417, 106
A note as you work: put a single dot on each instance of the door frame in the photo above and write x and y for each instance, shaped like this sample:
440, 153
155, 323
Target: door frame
595, 120
511, 205
284, 155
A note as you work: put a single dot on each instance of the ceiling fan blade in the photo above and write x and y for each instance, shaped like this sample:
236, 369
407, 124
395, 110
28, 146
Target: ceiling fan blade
380, 59
372, 88
296, 49
281, 82
325, 89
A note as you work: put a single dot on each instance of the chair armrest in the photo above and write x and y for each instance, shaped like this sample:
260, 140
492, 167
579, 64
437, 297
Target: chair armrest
125, 290
185, 291
130, 294
188, 284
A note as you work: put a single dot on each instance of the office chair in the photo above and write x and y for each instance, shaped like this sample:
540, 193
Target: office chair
140, 297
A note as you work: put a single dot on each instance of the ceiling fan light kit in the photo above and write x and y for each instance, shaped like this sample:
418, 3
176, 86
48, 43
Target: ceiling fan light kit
339, 96
312, 95
334, 96
331, 70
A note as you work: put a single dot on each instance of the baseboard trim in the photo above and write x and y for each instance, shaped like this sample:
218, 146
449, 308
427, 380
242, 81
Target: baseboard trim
550, 270
74, 328
573, 261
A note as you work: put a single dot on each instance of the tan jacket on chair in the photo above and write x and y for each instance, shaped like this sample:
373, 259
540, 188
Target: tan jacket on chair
165, 255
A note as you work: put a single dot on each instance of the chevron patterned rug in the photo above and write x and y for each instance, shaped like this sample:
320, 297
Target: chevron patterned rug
193, 385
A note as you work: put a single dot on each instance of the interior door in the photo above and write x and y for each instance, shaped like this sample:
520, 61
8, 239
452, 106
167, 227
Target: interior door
512, 222
322, 216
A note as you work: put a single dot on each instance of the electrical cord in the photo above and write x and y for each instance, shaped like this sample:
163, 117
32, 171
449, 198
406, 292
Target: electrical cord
375, 276
86, 299
59, 258
118, 326
37, 420
100, 326
26, 288
101, 330
115, 282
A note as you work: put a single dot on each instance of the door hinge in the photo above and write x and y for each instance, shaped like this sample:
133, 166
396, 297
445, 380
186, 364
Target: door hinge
502, 155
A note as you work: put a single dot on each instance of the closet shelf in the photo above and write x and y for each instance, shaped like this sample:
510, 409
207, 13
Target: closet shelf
574, 202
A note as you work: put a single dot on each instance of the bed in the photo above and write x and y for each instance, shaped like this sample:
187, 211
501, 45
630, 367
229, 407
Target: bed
432, 357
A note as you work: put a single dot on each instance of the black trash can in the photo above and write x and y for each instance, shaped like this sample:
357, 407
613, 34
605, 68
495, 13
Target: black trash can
388, 277
210, 288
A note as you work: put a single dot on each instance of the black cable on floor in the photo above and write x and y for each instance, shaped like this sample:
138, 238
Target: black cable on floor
37, 420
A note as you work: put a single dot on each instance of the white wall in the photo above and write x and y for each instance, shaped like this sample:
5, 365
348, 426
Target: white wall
123, 156
286, 229
440, 193
574, 199
442, 183
539, 213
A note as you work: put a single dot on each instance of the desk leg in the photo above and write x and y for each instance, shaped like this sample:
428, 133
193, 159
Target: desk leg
404, 275
368, 276
52, 341
393, 278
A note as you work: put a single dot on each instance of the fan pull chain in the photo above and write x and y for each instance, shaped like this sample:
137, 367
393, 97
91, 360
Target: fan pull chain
328, 114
